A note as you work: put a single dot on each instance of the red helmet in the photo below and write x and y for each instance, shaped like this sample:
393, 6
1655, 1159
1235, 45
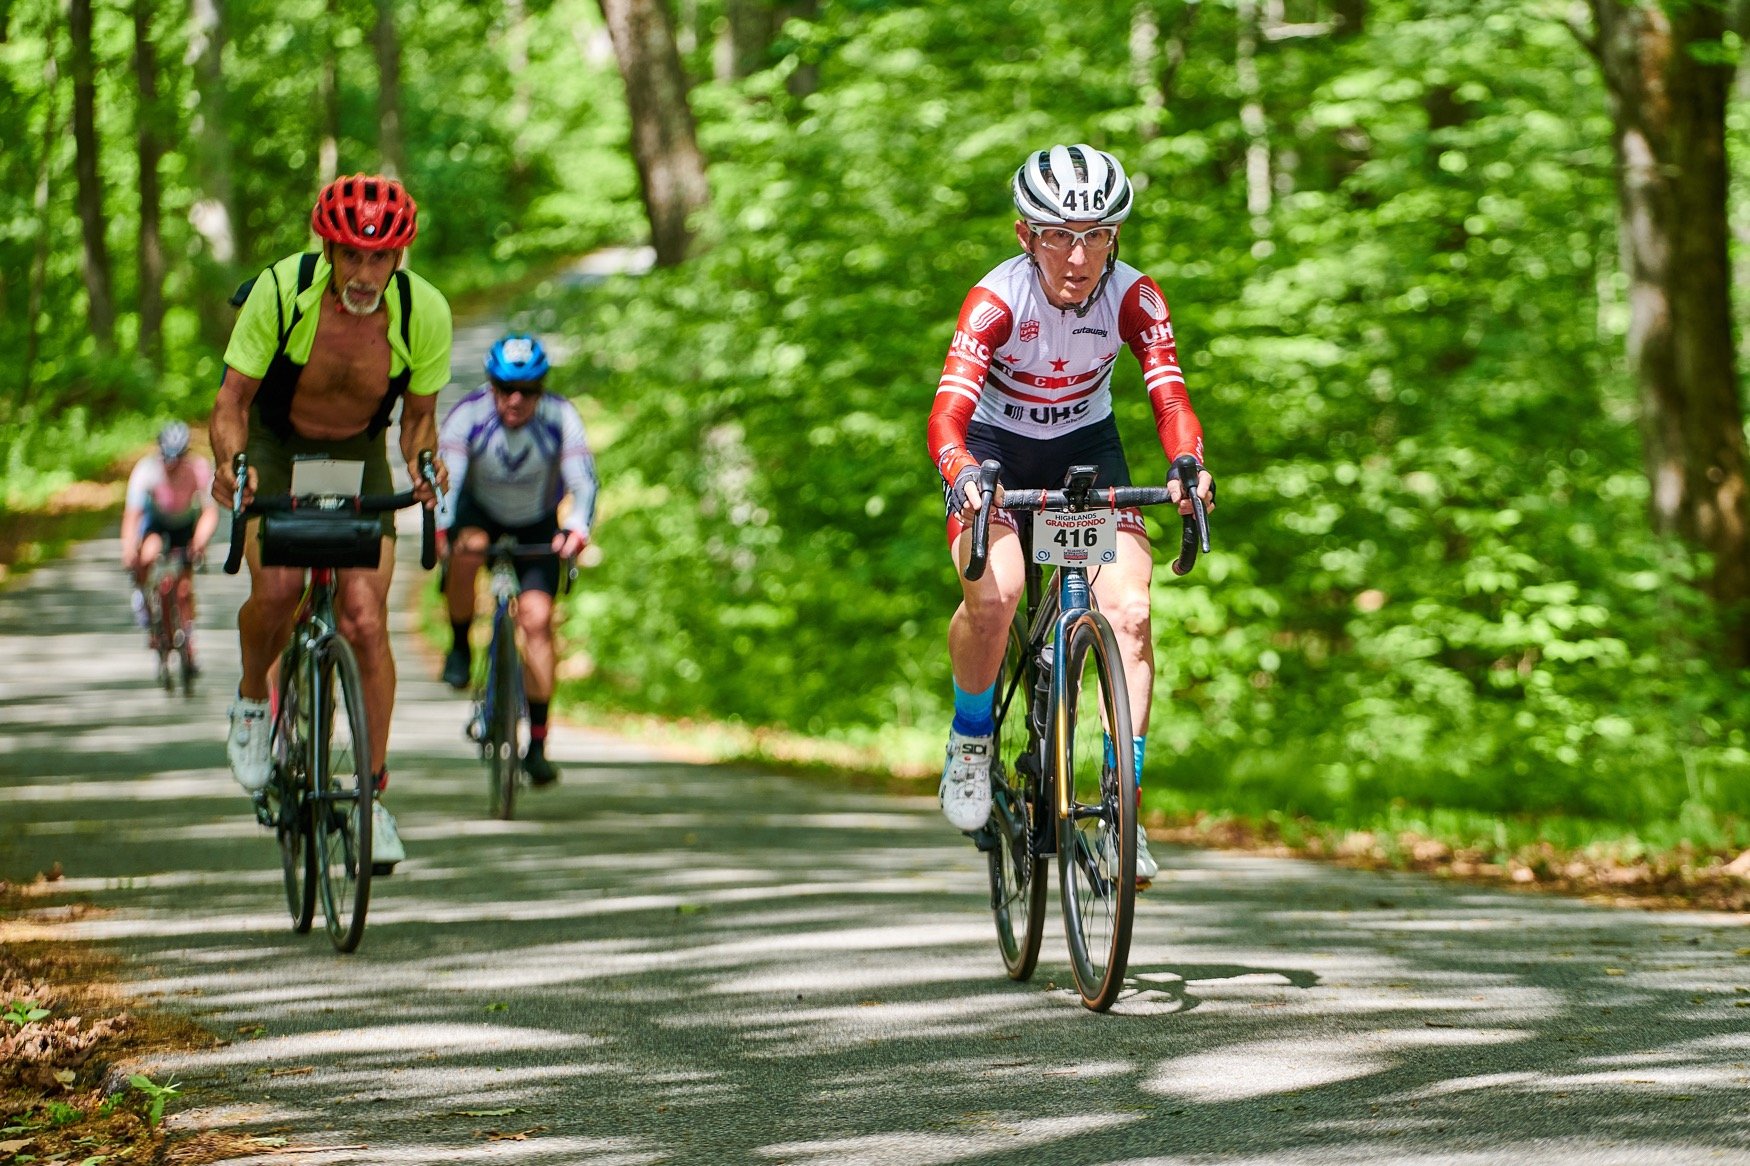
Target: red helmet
366, 211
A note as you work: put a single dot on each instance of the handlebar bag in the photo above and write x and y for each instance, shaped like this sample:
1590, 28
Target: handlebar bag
307, 538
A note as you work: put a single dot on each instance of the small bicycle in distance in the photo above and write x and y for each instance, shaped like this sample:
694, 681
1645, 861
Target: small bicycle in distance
1062, 781
318, 800
495, 724
170, 627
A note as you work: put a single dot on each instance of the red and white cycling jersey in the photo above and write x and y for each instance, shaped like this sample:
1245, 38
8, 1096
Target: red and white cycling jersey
1021, 365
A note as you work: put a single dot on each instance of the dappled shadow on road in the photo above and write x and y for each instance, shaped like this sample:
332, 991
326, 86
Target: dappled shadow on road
665, 963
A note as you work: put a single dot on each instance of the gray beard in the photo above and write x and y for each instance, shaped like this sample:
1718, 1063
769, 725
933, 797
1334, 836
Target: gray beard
352, 305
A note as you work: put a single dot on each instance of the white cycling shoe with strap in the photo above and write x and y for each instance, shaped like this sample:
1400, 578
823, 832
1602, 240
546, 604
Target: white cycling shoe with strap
965, 788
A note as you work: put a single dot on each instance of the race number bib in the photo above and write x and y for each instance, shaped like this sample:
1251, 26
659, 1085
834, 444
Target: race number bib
1075, 540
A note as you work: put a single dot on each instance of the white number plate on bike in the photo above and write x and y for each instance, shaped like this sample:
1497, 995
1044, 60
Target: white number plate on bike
1087, 539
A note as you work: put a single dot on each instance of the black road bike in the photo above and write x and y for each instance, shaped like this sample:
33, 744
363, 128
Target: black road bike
1062, 779
496, 721
318, 799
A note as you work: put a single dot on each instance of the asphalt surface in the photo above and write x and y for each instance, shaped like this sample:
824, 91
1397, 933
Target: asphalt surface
663, 962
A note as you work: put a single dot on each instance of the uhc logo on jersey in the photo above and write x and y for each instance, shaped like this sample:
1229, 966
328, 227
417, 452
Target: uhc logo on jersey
1151, 302
971, 347
1029, 331
983, 316
1156, 334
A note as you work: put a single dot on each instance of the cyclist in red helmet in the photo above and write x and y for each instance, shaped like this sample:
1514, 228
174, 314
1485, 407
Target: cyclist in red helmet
325, 345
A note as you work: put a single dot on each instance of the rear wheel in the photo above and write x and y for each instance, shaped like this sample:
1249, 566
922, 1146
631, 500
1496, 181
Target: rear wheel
1096, 843
166, 618
288, 806
1017, 877
504, 722
340, 754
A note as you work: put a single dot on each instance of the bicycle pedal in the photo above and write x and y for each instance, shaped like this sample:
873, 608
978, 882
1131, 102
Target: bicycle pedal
264, 814
382, 869
984, 837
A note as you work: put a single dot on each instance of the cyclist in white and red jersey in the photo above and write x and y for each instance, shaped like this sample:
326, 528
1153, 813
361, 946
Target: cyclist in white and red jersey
1028, 381
168, 504
514, 451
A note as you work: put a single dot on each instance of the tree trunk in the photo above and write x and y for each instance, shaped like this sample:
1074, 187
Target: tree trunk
1252, 120
806, 77
1668, 110
213, 213
388, 46
39, 266
665, 148
1145, 53
747, 38
151, 137
98, 285
328, 97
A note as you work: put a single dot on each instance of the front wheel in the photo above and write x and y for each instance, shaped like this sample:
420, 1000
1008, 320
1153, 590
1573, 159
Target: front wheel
1096, 825
504, 720
340, 765
290, 750
1017, 875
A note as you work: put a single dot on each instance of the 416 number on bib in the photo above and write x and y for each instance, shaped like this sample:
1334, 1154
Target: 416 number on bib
1088, 539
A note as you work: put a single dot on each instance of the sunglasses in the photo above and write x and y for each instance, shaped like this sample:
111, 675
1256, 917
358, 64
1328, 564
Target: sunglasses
1064, 240
530, 391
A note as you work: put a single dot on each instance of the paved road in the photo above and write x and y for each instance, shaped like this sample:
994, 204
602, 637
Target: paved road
666, 963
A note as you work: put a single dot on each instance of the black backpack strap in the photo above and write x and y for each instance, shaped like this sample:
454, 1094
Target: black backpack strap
404, 286
398, 384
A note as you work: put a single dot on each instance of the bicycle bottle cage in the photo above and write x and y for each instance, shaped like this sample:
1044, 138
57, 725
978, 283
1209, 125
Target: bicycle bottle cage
315, 538
1078, 484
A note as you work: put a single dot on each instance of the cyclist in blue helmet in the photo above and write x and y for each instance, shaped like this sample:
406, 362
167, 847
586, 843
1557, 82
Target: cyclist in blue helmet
168, 506
514, 451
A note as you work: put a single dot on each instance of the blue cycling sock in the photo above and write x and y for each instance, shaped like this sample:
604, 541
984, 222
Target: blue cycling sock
1136, 752
975, 712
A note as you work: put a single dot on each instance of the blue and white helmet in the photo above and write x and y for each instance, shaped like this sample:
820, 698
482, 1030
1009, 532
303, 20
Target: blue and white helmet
173, 440
517, 359
1072, 184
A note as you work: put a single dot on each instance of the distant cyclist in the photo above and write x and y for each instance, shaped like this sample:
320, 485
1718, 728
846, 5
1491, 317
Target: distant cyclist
1028, 381
169, 505
514, 451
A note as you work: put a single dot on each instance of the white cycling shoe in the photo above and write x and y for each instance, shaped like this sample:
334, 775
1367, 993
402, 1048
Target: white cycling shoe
965, 788
386, 848
246, 746
1146, 867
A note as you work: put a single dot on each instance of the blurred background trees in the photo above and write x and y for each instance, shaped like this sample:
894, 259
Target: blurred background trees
1461, 288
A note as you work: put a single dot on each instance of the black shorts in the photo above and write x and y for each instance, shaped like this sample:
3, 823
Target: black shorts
1032, 464
535, 572
176, 535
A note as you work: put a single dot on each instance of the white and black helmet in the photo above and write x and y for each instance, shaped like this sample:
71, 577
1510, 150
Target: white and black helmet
1072, 184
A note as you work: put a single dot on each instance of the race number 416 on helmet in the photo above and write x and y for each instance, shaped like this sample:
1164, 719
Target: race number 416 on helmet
1072, 184
366, 211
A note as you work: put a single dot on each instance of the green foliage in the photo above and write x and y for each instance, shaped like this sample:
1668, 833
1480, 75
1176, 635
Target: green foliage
1432, 584
156, 1096
23, 1012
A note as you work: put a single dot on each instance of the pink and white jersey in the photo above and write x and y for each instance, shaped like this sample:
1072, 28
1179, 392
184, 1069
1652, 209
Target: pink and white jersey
1021, 365
172, 496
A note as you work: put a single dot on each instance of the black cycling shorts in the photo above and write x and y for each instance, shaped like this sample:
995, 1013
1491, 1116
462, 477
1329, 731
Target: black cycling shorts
176, 535
535, 572
1030, 463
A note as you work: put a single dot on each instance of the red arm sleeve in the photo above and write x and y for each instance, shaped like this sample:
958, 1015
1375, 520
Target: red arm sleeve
1143, 324
984, 327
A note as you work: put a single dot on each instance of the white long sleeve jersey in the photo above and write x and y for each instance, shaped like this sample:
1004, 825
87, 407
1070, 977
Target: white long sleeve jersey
518, 476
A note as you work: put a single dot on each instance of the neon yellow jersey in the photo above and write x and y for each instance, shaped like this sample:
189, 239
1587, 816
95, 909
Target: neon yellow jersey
255, 338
